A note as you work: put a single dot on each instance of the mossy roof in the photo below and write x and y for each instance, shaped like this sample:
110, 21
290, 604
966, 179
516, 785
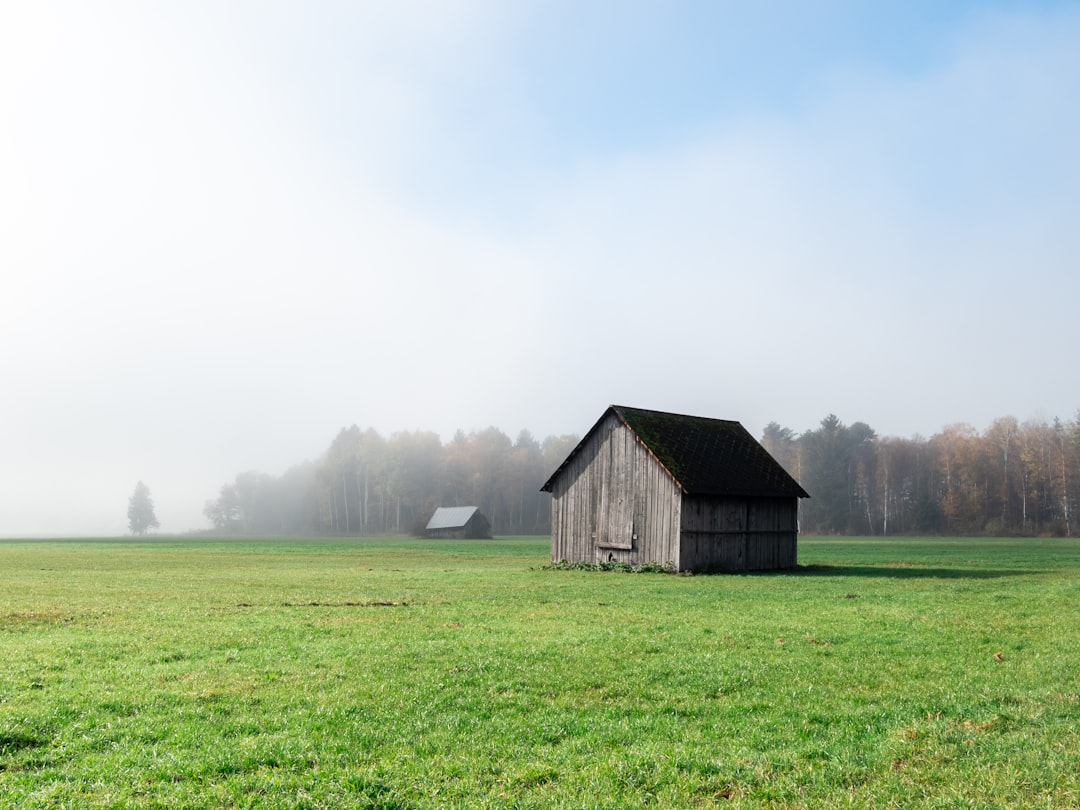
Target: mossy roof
705, 456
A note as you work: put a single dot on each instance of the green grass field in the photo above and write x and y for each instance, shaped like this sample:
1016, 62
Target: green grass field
408, 674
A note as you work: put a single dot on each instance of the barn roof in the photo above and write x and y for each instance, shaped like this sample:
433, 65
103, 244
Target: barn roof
704, 456
451, 517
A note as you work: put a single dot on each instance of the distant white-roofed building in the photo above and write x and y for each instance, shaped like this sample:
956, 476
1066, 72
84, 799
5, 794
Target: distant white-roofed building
458, 522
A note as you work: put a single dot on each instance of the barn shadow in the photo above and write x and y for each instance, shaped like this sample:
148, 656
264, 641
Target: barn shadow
901, 572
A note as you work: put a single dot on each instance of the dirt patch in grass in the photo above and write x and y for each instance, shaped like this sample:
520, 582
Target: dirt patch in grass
347, 603
24, 618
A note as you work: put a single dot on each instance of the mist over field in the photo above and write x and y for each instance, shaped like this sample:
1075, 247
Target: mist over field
229, 231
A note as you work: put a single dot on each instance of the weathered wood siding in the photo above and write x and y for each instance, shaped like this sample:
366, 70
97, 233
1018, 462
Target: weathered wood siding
773, 529
615, 501
721, 533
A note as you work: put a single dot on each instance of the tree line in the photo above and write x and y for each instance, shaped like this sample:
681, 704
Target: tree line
365, 484
1012, 479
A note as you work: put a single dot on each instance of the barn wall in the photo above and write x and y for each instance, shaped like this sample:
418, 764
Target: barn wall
441, 534
738, 534
571, 503
477, 527
773, 533
614, 501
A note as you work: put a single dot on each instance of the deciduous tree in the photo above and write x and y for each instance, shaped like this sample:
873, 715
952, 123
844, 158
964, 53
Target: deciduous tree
225, 512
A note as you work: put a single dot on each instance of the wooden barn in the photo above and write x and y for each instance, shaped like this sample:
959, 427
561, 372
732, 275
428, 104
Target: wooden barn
694, 493
458, 521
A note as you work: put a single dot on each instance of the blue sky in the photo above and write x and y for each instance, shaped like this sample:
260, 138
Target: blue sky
229, 229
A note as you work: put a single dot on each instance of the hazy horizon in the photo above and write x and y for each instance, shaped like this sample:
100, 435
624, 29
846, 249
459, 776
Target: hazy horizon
230, 230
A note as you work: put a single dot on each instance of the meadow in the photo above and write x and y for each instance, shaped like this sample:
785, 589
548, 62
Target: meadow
196, 673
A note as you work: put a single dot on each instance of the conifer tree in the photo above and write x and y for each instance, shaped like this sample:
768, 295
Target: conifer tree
141, 516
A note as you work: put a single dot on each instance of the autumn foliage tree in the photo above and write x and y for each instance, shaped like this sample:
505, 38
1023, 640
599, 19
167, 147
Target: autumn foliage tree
1014, 478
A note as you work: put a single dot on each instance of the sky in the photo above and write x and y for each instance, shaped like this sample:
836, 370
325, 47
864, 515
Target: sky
229, 229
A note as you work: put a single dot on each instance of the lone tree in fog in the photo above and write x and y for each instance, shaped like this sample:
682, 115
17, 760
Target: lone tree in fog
141, 516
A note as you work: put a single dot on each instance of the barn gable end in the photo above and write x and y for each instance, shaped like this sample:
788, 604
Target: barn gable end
694, 493
613, 500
